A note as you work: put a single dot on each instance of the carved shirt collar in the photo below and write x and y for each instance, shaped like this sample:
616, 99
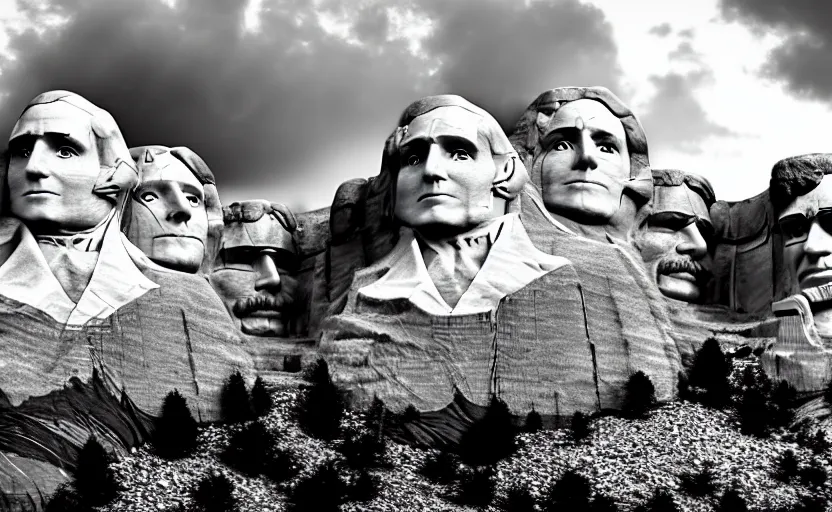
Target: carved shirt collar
512, 263
25, 276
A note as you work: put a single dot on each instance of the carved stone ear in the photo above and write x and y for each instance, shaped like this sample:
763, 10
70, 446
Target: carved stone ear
511, 176
543, 120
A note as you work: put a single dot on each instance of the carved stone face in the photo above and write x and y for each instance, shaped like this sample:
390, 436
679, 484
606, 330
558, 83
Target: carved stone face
587, 163
674, 243
806, 224
169, 222
252, 274
446, 173
53, 167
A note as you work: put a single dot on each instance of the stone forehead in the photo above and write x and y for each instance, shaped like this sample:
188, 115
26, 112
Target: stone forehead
57, 117
592, 112
676, 177
450, 120
165, 166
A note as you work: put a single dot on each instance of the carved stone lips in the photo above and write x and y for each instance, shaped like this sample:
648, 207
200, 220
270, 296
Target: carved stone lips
586, 182
40, 192
682, 276
169, 235
433, 194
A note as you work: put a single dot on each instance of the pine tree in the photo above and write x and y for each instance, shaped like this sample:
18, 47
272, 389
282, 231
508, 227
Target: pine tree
214, 493
261, 400
478, 487
376, 416
235, 402
732, 501
639, 395
320, 409
661, 501
572, 491
176, 430
754, 413
249, 449
94, 480
580, 426
710, 372
491, 438
534, 421
787, 466
441, 467
322, 491
518, 499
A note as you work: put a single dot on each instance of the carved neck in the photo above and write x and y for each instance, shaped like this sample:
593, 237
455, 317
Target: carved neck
88, 240
593, 232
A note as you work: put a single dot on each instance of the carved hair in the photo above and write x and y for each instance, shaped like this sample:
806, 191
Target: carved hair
676, 178
796, 176
254, 210
488, 129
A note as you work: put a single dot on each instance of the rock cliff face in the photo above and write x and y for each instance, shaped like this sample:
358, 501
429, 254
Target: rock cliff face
61, 385
566, 342
748, 256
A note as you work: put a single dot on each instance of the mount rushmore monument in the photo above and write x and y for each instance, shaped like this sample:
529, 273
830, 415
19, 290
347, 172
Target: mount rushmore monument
545, 266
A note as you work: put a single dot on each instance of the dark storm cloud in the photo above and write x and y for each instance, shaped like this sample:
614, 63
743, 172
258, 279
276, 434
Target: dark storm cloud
502, 54
675, 119
255, 106
804, 59
265, 107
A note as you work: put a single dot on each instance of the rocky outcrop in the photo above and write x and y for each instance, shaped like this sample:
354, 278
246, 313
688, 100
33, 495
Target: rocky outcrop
61, 384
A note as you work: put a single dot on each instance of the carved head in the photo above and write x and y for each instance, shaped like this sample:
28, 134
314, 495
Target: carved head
451, 167
674, 239
588, 157
253, 272
801, 193
174, 208
68, 165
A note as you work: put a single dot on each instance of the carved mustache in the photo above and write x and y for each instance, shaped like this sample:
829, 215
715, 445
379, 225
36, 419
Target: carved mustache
244, 306
676, 264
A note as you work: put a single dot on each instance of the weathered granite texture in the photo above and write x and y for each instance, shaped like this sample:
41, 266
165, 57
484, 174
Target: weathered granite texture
566, 342
748, 269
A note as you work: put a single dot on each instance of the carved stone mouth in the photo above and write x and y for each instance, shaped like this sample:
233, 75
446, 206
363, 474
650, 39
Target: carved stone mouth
433, 194
40, 192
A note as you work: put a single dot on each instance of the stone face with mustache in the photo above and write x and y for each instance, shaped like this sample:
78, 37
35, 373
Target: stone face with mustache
674, 240
253, 270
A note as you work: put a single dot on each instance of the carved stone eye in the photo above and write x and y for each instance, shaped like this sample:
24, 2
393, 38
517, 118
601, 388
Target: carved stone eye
413, 160
148, 197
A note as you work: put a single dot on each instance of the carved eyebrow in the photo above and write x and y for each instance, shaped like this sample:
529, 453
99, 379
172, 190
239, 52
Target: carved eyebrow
455, 141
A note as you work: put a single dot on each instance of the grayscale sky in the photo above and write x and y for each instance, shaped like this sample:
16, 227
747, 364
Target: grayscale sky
286, 99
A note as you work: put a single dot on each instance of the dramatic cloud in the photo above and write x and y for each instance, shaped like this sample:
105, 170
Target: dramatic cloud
502, 55
675, 119
304, 102
685, 52
662, 30
804, 59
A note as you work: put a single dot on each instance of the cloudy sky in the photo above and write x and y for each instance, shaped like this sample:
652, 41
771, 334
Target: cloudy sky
285, 99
